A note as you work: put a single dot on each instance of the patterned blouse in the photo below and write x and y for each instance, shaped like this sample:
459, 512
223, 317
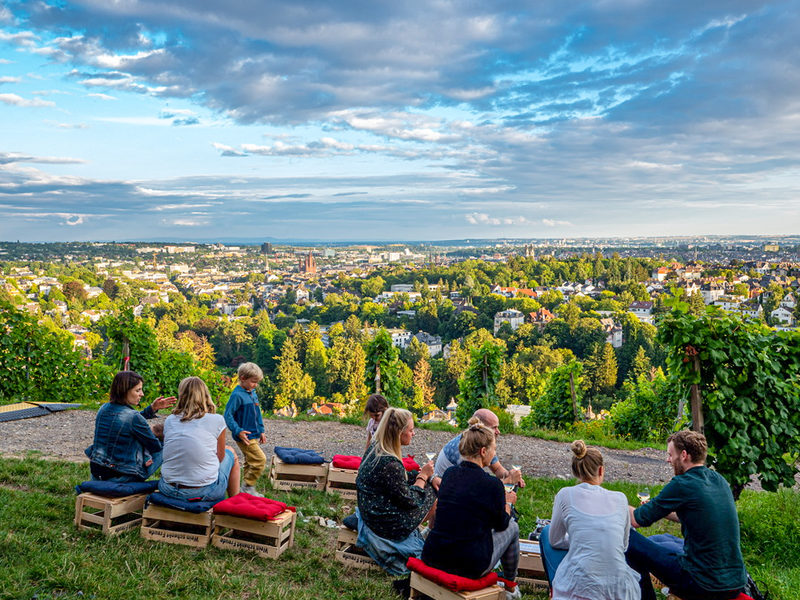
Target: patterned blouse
388, 501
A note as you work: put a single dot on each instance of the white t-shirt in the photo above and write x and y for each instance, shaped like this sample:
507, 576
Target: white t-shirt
190, 449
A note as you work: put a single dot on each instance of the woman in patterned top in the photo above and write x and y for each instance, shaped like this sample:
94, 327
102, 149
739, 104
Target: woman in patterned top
392, 502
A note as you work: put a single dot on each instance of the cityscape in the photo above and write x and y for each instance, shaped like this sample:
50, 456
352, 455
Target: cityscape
377, 301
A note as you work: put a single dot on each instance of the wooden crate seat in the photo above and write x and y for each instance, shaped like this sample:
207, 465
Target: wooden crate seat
342, 481
109, 515
285, 476
421, 587
163, 524
269, 539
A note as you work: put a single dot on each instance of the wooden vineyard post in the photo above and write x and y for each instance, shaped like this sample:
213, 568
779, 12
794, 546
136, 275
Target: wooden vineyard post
572, 391
697, 400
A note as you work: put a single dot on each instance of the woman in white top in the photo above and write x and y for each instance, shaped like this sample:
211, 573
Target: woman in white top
197, 463
592, 524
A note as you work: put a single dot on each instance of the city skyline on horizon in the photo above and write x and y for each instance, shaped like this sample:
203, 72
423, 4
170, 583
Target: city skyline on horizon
422, 121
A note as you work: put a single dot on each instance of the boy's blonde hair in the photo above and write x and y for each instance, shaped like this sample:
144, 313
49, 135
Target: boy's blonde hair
249, 370
392, 425
194, 399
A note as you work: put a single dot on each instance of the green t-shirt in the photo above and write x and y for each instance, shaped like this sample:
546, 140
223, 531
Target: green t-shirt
703, 501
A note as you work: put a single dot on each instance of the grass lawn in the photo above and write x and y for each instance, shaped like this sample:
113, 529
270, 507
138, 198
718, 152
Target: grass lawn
42, 555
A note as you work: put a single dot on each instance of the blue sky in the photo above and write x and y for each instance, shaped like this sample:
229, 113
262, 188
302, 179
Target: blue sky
195, 119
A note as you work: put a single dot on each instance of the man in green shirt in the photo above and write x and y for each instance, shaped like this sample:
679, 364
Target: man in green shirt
709, 564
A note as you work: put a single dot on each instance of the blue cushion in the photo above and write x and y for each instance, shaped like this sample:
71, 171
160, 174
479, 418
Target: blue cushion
297, 456
194, 506
115, 489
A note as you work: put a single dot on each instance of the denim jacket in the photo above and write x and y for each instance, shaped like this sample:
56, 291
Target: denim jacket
121, 438
243, 413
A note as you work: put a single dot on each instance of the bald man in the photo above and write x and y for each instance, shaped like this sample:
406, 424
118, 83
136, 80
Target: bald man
450, 456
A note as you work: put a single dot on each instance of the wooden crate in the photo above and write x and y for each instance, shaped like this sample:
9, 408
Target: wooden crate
531, 570
162, 524
284, 476
109, 515
346, 537
269, 539
342, 481
425, 587
351, 555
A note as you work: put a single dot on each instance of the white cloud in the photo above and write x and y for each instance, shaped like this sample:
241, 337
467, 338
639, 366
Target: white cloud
6, 79
555, 223
477, 218
101, 96
24, 38
16, 100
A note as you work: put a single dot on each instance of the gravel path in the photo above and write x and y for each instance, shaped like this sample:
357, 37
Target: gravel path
64, 435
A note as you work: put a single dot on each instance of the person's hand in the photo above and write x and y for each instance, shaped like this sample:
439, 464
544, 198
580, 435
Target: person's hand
262, 439
427, 470
243, 436
514, 476
511, 497
163, 402
436, 482
148, 463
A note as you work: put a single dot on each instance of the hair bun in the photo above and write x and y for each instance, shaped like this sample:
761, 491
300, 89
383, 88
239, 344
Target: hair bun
579, 448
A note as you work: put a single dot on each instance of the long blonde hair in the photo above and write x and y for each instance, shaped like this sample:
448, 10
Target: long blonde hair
392, 425
194, 399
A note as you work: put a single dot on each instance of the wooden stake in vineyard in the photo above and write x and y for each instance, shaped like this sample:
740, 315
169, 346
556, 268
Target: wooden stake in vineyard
698, 423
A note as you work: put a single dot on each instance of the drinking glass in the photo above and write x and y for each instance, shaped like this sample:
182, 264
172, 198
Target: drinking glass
644, 495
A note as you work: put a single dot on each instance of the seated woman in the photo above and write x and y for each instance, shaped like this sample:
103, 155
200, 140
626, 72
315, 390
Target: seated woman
474, 528
391, 502
197, 463
592, 525
125, 449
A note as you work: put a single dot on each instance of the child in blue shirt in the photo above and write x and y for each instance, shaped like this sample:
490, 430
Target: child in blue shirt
243, 418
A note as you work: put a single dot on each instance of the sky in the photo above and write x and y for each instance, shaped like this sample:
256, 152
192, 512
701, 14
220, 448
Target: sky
413, 120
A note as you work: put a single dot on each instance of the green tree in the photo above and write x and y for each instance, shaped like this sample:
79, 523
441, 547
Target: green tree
316, 365
600, 371
478, 385
748, 376
424, 389
641, 366
554, 408
382, 367
38, 361
346, 373
293, 386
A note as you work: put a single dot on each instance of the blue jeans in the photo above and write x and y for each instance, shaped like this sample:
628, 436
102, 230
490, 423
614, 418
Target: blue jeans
213, 492
551, 557
157, 458
661, 558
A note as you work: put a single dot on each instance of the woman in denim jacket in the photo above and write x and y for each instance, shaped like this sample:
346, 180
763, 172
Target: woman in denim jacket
125, 448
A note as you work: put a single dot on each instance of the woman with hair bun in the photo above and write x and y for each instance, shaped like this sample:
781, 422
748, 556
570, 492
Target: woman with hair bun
592, 525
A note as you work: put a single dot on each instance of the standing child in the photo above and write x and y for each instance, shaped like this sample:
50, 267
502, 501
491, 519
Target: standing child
243, 417
376, 406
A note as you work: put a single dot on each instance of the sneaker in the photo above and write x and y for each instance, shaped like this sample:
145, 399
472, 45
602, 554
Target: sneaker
514, 595
250, 489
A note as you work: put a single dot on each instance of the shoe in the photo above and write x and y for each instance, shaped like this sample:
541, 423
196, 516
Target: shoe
514, 595
250, 489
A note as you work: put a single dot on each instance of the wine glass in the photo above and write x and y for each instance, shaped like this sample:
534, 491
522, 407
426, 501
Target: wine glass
509, 487
644, 495
430, 455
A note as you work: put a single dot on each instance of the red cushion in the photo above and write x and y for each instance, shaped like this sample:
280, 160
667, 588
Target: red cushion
410, 464
251, 507
743, 596
343, 461
454, 583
